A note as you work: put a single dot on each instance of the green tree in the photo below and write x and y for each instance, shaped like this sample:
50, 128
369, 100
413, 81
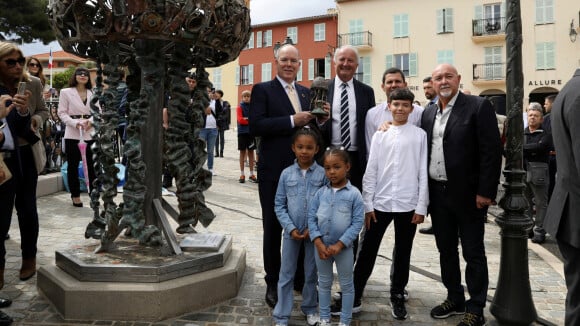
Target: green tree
27, 19
60, 80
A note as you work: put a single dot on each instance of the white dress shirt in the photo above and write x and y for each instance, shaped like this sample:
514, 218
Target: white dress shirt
380, 113
351, 116
437, 164
396, 176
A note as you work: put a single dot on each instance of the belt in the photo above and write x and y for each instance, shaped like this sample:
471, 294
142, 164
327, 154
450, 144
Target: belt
8, 154
81, 116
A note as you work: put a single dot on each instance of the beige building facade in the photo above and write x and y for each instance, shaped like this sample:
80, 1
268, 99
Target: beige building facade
223, 78
416, 36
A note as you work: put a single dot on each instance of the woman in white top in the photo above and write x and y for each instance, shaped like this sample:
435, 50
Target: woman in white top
74, 110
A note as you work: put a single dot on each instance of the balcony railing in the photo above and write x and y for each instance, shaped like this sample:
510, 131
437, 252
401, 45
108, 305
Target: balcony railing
488, 71
488, 26
356, 39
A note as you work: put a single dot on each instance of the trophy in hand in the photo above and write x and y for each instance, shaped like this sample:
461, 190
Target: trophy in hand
318, 96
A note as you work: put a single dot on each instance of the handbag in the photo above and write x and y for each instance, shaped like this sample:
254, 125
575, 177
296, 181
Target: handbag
39, 153
5, 173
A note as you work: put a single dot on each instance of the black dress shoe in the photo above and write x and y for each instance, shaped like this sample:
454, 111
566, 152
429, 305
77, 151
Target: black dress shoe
5, 303
5, 320
428, 230
271, 296
77, 204
7, 236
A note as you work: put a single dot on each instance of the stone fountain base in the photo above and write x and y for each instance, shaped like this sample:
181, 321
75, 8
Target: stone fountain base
133, 282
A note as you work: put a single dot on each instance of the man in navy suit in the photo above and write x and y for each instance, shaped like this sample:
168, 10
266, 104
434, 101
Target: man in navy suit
464, 169
277, 108
562, 219
361, 98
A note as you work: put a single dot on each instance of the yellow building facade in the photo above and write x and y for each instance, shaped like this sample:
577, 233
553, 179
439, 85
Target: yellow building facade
417, 35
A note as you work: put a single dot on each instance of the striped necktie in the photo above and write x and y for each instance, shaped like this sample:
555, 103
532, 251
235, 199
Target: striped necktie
344, 118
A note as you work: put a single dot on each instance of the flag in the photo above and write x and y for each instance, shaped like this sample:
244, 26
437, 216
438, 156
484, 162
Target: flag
50, 59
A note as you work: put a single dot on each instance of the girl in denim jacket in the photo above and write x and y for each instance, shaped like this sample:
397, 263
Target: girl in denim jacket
298, 184
335, 218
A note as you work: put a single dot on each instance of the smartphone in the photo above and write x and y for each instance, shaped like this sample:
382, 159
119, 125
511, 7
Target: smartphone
21, 88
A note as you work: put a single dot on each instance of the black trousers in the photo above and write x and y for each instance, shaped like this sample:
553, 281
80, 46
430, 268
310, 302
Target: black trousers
571, 267
272, 237
20, 193
73, 156
369, 248
220, 142
447, 222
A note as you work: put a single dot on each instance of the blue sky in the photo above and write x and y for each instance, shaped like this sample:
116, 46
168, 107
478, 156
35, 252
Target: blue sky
262, 11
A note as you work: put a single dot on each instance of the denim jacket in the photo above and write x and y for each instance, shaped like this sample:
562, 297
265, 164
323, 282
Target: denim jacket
335, 216
294, 194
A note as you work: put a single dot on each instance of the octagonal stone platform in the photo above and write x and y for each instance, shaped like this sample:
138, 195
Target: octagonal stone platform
133, 282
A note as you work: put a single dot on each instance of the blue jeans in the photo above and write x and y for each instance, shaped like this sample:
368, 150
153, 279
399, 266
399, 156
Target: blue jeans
344, 261
209, 135
290, 252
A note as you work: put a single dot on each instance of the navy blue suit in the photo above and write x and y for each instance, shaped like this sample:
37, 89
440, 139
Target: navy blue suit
270, 114
472, 152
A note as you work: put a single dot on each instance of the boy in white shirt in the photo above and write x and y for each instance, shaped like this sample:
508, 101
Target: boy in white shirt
394, 188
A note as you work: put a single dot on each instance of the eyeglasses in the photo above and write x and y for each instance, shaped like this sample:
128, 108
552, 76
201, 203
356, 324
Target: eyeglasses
34, 65
82, 73
11, 63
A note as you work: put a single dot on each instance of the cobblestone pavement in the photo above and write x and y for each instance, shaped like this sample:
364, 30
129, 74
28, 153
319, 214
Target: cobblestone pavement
238, 214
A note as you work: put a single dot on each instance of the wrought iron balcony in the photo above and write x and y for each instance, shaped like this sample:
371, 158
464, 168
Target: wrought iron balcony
358, 39
488, 71
488, 26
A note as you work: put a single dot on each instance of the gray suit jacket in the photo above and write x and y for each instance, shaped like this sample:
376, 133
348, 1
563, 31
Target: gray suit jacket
563, 216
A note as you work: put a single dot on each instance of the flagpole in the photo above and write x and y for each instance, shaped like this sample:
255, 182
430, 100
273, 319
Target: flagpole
50, 66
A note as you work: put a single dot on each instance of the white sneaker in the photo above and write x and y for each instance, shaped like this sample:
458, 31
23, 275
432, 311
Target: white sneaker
213, 172
342, 324
312, 319
324, 323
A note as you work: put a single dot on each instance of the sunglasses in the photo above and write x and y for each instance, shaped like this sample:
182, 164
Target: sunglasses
34, 65
82, 73
11, 63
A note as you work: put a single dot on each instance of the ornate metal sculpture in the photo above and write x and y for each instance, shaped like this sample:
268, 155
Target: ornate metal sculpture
158, 41
318, 95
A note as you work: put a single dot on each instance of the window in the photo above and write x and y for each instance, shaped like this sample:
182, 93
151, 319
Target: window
355, 29
363, 73
545, 56
267, 38
407, 62
544, 11
494, 63
401, 25
292, 32
445, 20
259, 39
245, 75
319, 68
266, 71
217, 78
251, 42
299, 75
319, 32
445, 56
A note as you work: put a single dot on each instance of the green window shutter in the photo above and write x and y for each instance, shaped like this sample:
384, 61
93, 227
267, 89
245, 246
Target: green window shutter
405, 27
540, 64
366, 70
413, 64
299, 76
449, 19
237, 81
477, 24
440, 18
397, 27
549, 11
539, 11
251, 73
389, 61
327, 68
550, 55
310, 69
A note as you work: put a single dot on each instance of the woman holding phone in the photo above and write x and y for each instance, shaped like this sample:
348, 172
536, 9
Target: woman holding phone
21, 114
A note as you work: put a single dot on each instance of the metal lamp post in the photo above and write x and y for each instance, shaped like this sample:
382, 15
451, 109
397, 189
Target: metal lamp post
278, 45
512, 303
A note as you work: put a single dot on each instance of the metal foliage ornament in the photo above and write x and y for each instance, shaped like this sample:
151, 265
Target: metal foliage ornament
157, 41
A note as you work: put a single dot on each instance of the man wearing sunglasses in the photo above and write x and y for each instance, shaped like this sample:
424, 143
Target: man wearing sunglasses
21, 115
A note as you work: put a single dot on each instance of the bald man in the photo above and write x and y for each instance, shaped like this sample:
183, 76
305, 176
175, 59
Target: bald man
464, 168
